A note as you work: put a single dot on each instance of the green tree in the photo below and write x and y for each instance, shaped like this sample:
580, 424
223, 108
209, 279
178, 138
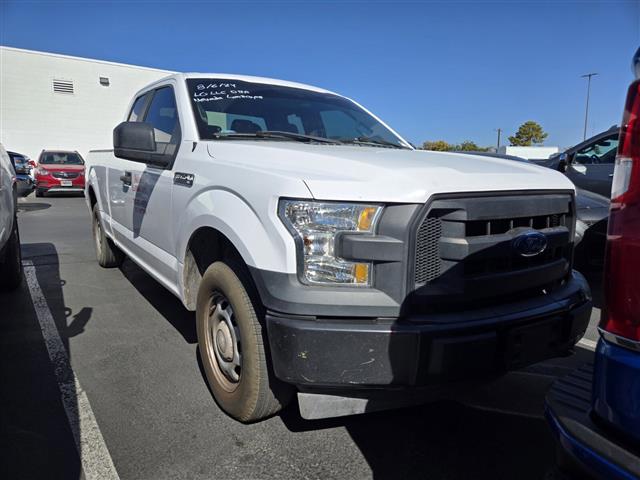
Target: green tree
469, 146
438, 146
529, 133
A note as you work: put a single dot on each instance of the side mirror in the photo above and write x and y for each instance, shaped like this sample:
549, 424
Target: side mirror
582, 169
563, 163
136, 141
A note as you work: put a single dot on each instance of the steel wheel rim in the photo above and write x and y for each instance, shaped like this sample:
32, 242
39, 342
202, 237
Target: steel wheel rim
223, 342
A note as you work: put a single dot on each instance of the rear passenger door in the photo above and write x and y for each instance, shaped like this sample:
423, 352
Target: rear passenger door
151, 228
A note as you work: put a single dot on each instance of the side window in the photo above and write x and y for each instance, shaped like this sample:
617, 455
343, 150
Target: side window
600, 152
163, 116
138, 106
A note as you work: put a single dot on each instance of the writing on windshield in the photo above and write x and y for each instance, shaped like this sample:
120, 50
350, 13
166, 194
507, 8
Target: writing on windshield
226, 106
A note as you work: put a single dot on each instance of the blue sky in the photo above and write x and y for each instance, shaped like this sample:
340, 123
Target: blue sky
432, 70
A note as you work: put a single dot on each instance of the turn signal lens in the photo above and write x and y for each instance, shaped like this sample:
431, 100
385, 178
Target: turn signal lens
366, 218
361, 273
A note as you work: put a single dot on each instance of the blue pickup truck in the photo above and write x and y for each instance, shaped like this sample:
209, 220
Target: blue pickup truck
595, 412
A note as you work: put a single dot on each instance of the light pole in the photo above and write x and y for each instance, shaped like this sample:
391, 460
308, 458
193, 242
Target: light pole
499, 130
586, 112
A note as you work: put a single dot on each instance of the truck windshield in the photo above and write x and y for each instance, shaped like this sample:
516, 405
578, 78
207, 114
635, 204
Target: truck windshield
61, 158
226, 108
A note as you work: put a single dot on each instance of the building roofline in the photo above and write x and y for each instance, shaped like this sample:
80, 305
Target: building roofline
83, 59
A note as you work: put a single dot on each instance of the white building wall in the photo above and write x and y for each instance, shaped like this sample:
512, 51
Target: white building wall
530, 153
33, 117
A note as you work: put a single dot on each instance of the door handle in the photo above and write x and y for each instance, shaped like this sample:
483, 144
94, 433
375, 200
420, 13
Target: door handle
611, 175
125, 178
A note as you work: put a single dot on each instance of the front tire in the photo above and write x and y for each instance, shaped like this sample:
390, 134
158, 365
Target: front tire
11, 263
230, 341
39, 192
107, 254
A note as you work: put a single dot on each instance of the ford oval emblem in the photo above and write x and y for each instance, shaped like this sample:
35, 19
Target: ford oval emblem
530, 244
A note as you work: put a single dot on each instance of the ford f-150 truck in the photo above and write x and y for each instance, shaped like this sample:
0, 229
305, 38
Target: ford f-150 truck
324, 255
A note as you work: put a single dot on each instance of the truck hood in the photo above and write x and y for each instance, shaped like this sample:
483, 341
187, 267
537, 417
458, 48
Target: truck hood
354, 173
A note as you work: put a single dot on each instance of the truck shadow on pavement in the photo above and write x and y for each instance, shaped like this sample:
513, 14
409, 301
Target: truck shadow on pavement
443, 440
38, 429
162, 300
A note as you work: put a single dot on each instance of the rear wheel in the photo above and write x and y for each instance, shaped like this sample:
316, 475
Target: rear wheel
233, 353
107, 253
11, 261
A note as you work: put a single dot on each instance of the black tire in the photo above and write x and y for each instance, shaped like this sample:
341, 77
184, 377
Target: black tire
39, 192
11, 261
107, 254
256, 394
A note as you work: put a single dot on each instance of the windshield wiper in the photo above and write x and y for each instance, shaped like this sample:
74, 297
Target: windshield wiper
278, 134
301, 137
374, 142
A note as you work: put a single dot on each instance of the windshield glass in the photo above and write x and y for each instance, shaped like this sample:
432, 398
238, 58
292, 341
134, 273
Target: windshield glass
238, 107
18, 161
61, 158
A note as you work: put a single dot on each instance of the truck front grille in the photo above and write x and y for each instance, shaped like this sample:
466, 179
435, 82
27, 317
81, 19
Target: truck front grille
464, 247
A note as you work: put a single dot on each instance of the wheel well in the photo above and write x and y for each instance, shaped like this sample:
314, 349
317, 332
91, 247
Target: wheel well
92, 197
206, 245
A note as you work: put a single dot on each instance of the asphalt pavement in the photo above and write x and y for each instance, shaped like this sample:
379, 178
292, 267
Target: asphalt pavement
112, 382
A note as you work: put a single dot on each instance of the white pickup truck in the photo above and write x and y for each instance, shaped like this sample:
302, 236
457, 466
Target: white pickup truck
324, 255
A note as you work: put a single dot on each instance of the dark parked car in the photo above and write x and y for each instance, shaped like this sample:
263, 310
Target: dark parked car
590, 163
592, 212
22, 166
595, 411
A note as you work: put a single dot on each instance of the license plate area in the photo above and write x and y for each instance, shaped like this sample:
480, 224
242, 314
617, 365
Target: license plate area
66, 183
536, 342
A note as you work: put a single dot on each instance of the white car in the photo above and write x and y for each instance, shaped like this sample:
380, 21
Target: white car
10, 259
324, 255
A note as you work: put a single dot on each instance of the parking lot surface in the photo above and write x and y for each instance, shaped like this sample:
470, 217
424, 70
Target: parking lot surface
128, 389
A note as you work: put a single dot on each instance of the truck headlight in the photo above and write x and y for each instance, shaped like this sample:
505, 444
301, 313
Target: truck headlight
314, 226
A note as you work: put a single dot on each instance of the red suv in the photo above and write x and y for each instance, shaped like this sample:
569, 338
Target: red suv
59, 171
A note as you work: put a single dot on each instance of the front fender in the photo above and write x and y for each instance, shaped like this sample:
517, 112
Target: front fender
254, 229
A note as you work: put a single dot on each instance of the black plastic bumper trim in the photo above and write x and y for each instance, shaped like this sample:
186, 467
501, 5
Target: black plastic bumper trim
342, 352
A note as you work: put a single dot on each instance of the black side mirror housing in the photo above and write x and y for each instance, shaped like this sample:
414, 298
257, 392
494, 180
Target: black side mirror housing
136, 141
563, 163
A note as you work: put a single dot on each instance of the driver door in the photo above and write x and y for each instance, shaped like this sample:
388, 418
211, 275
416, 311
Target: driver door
591, 167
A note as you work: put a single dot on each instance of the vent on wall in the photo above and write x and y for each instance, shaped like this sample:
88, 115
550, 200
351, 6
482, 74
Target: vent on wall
63, 86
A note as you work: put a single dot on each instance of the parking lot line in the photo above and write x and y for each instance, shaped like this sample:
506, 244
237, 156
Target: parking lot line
94, 455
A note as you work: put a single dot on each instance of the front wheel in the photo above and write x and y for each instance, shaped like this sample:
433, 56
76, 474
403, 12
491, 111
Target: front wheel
11, 261
107, 254
230, 341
